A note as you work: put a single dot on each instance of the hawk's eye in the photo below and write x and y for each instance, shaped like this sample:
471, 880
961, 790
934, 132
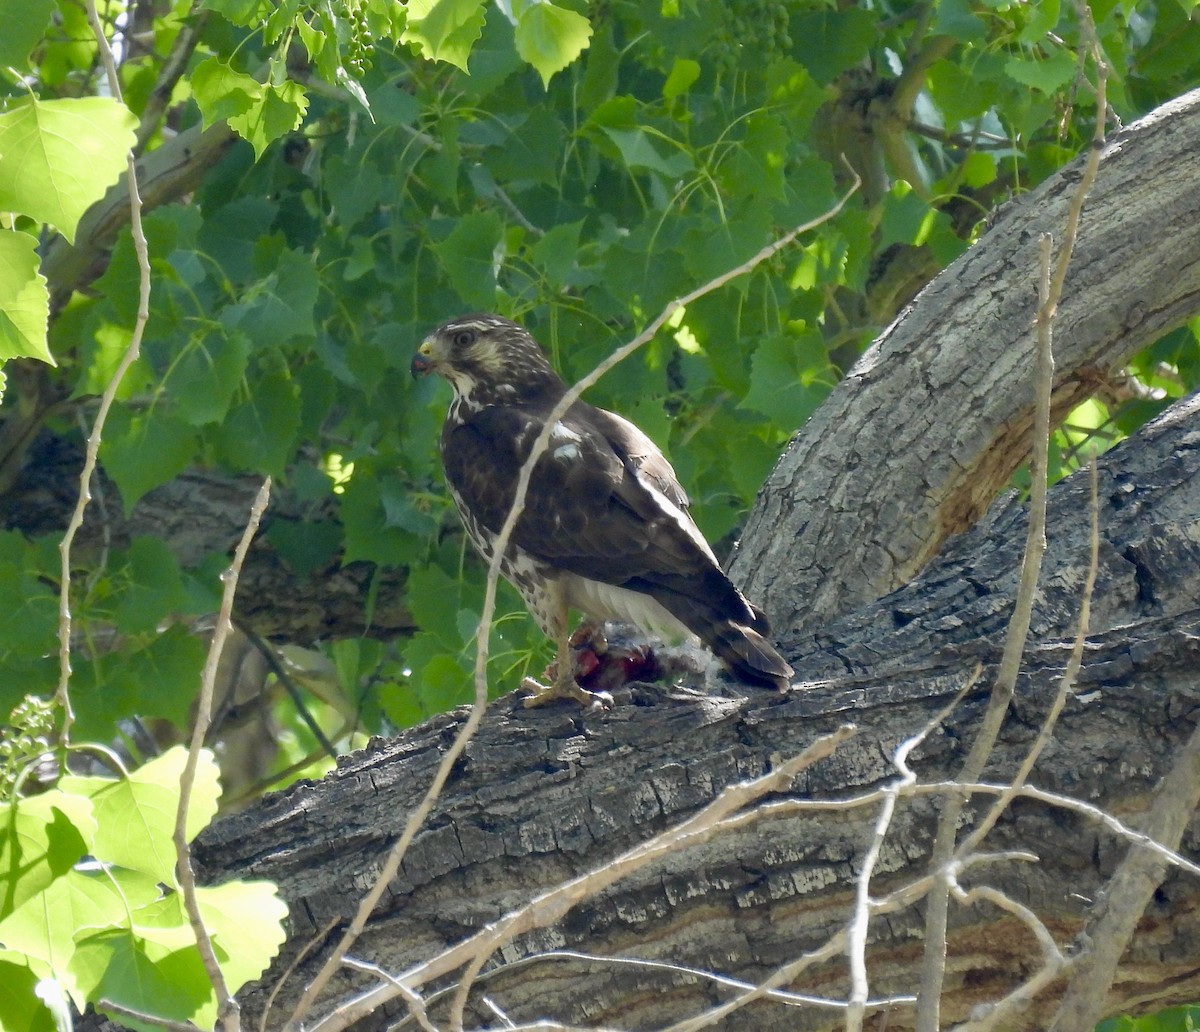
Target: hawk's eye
464, 339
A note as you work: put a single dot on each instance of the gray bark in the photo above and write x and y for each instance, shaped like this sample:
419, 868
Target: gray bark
541, 796
913, 444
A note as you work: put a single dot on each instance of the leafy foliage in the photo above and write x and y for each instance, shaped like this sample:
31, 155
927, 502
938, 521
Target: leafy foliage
113, 929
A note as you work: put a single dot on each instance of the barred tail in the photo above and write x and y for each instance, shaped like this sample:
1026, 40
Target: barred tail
731, 626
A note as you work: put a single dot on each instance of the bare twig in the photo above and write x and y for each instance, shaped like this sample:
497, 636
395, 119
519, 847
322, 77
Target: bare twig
141, 250
416, 1005
856, 947
1050, 288
392, 863
228, 1012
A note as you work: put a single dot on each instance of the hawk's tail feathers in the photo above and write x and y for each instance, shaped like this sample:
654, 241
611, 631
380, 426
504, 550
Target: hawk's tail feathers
749, 656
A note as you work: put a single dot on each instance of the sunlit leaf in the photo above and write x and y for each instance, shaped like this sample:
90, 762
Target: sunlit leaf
24, 300
550, 37
58, 157
444, 30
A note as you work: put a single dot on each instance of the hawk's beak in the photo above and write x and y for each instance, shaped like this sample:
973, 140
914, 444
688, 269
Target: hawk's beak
423, 361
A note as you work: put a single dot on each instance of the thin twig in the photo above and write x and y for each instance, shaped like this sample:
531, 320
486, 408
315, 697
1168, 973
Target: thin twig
1066, 682
417, 818
149, 1020
1050, 289
417, 1007
782, 996
141, 250
228, 1011
856, 945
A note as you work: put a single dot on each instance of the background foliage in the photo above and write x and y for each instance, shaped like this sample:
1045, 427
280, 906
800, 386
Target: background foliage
574, 166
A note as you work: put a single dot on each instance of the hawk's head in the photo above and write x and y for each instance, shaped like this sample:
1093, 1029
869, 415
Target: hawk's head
487, 359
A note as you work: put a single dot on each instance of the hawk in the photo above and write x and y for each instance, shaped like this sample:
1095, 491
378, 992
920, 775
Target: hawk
605, 529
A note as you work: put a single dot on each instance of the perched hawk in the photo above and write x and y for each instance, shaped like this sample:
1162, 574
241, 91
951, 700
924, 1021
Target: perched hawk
605, 529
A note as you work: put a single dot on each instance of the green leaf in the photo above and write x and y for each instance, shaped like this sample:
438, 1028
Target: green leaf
172, 986
46, 927
784, 382
245, 919
1047, 75
156, 589
468, 256
135, 816
58, 157
19, 1006
223, 93
41, 838
24, 300
684, 73
259, 434
141, 450
24, 23
550, 37
830, 42
638, 151
444, 30
278, 111
280, 307
241, 12
368, 537
205, 377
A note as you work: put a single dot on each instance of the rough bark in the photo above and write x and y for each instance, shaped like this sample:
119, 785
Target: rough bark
545, 795
915, 441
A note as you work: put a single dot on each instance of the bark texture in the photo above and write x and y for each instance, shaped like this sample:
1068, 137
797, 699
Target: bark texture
913, 444
542, 796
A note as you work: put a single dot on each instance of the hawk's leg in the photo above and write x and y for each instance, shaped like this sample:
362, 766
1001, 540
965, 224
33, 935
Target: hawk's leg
563, 684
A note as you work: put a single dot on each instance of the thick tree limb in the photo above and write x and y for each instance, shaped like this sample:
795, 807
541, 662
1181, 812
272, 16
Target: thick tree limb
541, 797
911, 446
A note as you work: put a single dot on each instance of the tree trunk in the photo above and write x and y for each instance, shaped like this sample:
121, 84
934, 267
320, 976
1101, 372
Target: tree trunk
542, 796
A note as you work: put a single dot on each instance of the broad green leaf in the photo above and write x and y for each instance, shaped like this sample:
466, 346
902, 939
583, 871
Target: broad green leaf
468, 256
20, 1009
46, 927
684, 72
280, 307
368, 537
135, 816
24, 300
830, 42
160, 680
557, 251
222, 92
204, 378
783, 379
41, 839
638, 151
156, 588
1047, 75
173, 986
241, 12
245, 919
550, 37
444, 30
278, 111
24, 23
141, 450
58, 157
259, 434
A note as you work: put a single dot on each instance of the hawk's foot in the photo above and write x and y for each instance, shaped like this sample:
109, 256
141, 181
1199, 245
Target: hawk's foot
542, 694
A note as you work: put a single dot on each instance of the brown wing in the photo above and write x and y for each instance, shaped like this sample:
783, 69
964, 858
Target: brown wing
593, 508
